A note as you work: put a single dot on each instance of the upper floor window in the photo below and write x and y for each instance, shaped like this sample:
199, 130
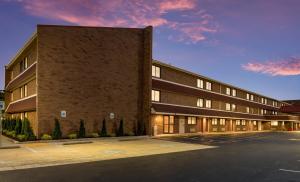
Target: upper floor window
12, 96
233, 107
199, 102
214, 121
251, 97
155, 71
254, 122
227, 107
248, 96
243, 122
247, 109
24, 64
227, 91
191, 120
266, 101
23, 91
222, 121
237, 122
155, 95
199, 83
208, 103
234, 92
208, 86
261, 111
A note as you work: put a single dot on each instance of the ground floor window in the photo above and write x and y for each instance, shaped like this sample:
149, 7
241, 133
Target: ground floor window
222, 121
214, 121
191, 120
274, 123
243, 122
237, 122
168, 124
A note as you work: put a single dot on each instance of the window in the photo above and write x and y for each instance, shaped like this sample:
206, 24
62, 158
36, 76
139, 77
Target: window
12, 96
261, 111
247, 96
266, 100
208, 86
222, 121
199, 83
12, 75
274, 123
237, 122
234, 92
276, 113
21, 92
252, 97
208, 103
265, 111
227, 91
247, 109
243, 122
214, 121
200, 103
254, 122
155, 95
191, 120
233, 107
262, 100
168, 124
227, 107
25, 91
155, 71
24, 64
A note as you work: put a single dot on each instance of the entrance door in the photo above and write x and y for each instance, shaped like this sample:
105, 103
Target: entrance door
168, 124
181, 125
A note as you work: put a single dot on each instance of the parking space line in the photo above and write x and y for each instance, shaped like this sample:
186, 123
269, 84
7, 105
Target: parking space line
288, 170
31, 150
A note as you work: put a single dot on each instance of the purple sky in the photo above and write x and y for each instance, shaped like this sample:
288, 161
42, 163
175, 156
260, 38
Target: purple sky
251, 44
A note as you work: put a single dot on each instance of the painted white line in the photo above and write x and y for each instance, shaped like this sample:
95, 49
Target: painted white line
31, 150
288, 170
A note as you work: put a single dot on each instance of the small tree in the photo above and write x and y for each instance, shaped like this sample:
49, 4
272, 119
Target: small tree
121, 128
56, 132
18, 128
103, 130
81, 133
27, 130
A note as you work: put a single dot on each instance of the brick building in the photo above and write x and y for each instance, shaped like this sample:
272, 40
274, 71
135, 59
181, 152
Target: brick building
92, 73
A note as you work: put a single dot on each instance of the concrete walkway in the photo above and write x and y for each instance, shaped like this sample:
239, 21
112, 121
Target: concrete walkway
33, 155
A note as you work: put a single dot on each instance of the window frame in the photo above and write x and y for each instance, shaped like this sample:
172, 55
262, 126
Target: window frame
208, 85
192, 120
156, 71
154, 95
206, 103
200, 102
200, 83
227, 106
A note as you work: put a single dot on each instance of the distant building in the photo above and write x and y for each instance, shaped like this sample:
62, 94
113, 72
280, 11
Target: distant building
92, 73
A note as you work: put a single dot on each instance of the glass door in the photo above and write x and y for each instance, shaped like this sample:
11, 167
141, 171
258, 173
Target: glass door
168, 124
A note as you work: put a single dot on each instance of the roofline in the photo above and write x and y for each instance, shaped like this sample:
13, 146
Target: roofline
78, 26
28, 42
198, 75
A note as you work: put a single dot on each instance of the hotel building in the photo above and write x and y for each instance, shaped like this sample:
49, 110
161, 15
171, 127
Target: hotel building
92, 73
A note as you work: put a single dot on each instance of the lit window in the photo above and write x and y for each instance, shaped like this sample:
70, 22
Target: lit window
228, 91
266, 101
265, 111
200, 103
252, 97
25, 91
222, 121
24, 64
247, 109
262, 100
155, 71
248, 96
274, 123
199, 83
191, 120
243, 122
208, 86
233, 107
208, 103
12, 96
261, 111
276, 113
214, 121
254, 122
237, 122
233, 92
227, 107
21, 92
155, 95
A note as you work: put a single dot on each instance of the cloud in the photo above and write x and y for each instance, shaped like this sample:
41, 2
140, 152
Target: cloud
287, 67
190, 24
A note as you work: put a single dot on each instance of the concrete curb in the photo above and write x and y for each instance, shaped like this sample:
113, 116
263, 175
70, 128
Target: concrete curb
77, 142
10, 147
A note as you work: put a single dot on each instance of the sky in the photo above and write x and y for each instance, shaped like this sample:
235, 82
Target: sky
254, 44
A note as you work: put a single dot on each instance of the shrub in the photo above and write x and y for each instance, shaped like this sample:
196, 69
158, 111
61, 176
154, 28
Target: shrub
27, 130
21, 137
103, 132
18, 127
56, 132
121, 129
72, 136
130, 134
81, 133
93, 135
11, 134
46, 137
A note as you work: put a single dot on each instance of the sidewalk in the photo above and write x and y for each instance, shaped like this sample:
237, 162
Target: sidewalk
6, 143
33, 155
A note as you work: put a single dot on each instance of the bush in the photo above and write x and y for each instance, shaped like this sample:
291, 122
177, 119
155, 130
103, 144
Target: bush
103, 132
27, 130
56, 132
46, 137
11, 134
93, 135
72, 136
129, 134
121, 129
21, 137
18, 127
81, 133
